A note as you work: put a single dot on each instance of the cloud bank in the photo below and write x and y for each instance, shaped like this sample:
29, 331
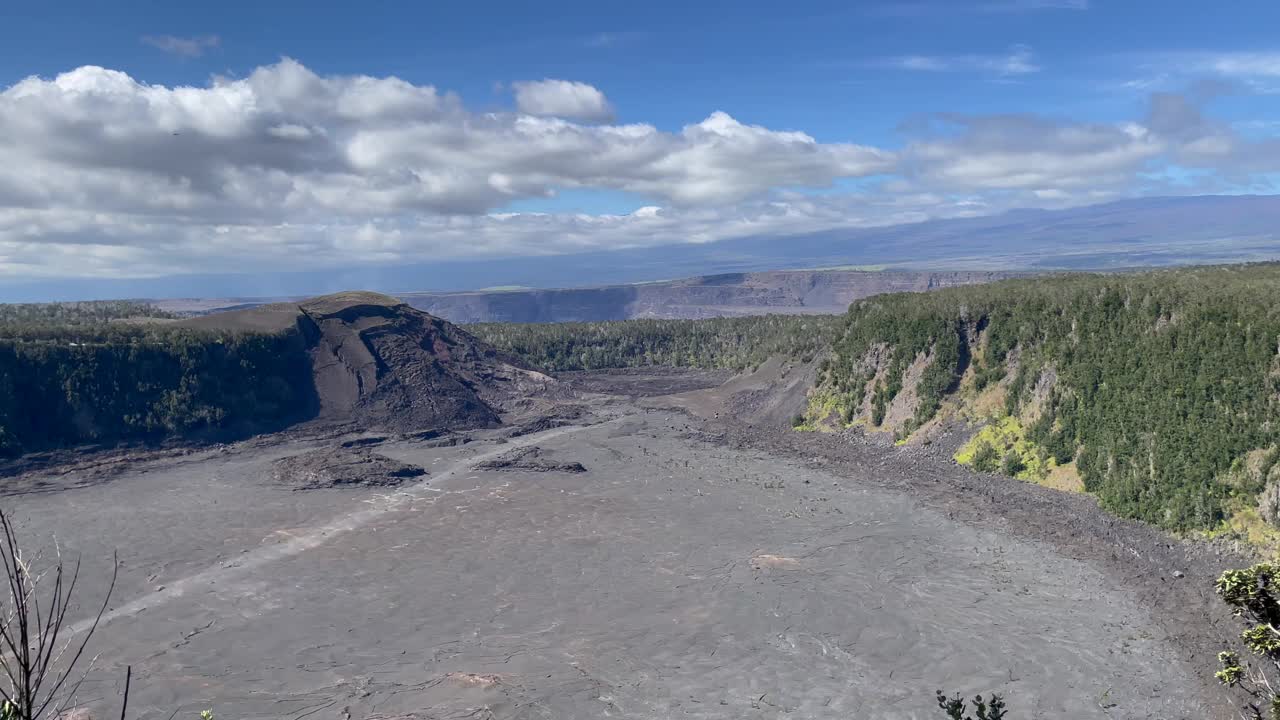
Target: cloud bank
103, 175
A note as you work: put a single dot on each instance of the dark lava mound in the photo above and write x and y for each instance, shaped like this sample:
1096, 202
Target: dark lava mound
557, 417
341, 467
378, 363
529, 459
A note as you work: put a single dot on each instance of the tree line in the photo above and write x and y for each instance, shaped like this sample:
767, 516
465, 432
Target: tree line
733, 343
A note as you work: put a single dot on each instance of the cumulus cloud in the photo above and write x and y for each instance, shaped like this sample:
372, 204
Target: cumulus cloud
117, 170
286, 139
188, 47
1027, 153
1197, 141
562, 98
104, 175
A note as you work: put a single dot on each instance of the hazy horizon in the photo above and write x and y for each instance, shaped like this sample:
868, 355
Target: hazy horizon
1132, 233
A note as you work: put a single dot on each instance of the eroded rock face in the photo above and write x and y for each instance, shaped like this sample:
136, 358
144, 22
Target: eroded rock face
1269, 503
382, 365
902, 408
342, 467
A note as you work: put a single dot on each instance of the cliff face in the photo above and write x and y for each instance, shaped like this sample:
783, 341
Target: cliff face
791, 292
379, 363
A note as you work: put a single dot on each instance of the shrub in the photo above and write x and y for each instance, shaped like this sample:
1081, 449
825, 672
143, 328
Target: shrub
1251, 592
1012, 464
955, 707
986, 459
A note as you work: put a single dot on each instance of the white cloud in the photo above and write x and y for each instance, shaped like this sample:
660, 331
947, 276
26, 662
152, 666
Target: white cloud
103, 175
121, 171
287, 140
562, 98
1018, 61
42, 243
1028, 153
1242, 64
189, 47
1256, 72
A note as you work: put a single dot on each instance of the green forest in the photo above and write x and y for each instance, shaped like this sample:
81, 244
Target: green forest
732, 343
1165, 381
101, 373
36, 319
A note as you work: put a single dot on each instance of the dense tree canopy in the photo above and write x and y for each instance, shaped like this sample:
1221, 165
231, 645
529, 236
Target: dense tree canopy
1163, 379
733, 343
90, 372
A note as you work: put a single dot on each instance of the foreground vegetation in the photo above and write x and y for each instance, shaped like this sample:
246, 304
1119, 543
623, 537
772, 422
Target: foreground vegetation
1162, 389
101, 372
733, 343
1251, 593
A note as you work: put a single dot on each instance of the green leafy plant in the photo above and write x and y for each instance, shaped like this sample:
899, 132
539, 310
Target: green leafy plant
1251, 592
956, 707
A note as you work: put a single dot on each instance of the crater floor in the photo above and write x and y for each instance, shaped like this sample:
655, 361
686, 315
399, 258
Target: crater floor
672, 579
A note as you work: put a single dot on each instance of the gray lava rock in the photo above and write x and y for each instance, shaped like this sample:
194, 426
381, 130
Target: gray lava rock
530, 459
342, 467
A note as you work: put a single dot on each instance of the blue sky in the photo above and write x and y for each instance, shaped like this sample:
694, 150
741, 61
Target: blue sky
908, 110
810, 65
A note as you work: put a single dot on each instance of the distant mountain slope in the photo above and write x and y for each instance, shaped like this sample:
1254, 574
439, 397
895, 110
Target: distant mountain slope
729, 295
1128, 233
790, 292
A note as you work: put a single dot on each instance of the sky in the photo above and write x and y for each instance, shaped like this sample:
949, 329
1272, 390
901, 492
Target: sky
149, 139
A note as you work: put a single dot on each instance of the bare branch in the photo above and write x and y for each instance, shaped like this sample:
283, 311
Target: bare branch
40, 668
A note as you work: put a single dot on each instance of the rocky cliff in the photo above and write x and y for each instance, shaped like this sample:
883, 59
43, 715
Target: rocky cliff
381, 364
